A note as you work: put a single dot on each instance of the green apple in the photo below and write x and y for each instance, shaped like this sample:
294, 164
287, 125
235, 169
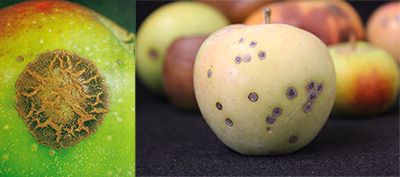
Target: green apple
367, 79
264, 89
67, 92
162, 27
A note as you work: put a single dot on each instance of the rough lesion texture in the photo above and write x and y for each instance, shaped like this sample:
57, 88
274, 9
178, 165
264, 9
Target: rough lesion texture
62, 98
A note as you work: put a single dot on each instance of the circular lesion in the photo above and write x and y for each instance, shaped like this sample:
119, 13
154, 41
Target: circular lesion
62, 98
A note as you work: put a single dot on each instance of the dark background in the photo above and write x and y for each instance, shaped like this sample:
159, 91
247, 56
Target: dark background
171, 142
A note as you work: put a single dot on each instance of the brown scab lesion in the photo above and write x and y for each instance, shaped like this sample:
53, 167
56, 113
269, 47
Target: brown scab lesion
253, 97
261, 55
228, 122
20, 58
310, 86
291, 93
209, 73
253, 44
293, 139
218, 105
62, 98
153, 54
241, 40
238, 59
247, 58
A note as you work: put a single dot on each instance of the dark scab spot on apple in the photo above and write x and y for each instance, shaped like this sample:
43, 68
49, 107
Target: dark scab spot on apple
229, 122
261, 55
312, 96
293, 139
307, 107
253, 97
20, 58
269, 129
119, 62
277, 112
336, 10
153, 54
320, 87
218, 105
209, 73
253, 44
241, 40
238, 59
291, 93
247, 58
310, 86
271, 120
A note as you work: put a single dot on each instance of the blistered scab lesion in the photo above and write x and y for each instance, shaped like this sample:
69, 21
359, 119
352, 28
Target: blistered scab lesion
62, 98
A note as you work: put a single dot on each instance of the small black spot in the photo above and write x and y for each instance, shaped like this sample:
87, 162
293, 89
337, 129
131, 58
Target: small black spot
293, 139
247, 58
253, 44
238, 59
219, 106
271, 120
291, 93
253, 97
307, 107
209, 73
312, 96
277, 112
119, 62
20, 58
228, 122
153, 54
320, 87
269, 129
310, 86
261, 55
241, 40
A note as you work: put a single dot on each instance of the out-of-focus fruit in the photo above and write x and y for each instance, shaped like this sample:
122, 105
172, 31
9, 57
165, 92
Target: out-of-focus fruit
264, 89
383, 28
67, 92
162, 27
178, 71
237, 10
367, 79
331, 21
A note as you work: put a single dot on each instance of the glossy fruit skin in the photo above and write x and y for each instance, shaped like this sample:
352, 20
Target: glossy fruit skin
383, 28
32, 27
236, 97
331, 21
367, 80
165, 25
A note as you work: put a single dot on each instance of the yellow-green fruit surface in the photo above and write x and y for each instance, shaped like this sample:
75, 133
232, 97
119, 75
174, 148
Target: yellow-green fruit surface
33, 27
367, 79
264, 89
164, 26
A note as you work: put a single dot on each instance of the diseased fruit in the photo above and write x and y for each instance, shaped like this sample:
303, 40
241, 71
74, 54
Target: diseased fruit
367, 79
383, 28
67, 92
165, 25
264, 89
331, 21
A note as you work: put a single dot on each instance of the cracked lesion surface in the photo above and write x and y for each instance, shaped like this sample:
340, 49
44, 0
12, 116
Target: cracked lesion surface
62, 98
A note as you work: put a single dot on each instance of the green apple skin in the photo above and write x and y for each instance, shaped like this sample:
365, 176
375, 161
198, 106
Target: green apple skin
367, 79
32, 27
165, 25
223, 88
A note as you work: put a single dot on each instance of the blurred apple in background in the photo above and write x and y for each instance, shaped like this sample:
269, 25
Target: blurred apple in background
178, 71
237, 10
331, 21
383, 28
165, 25
367, 79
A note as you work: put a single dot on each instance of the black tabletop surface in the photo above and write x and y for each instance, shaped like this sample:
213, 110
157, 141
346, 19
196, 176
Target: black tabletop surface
171, 142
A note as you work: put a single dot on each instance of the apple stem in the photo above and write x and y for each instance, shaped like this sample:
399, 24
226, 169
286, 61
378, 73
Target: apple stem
267, 15
353, 40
